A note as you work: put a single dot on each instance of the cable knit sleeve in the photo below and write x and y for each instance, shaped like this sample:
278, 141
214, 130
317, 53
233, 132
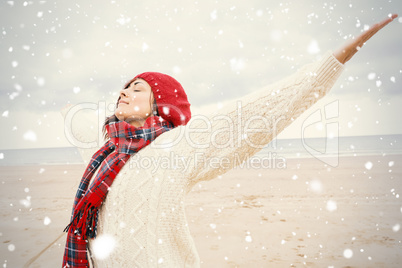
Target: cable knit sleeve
221, 141
82, 130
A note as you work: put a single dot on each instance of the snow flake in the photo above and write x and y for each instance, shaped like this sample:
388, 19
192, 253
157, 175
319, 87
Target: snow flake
14, 63
368, 165
176, 69
5, 114
316, 186
248, 238
390, 163
371, 76
213, 15
76, 90
26, 202
11, 247
212, 225
396, 227
392, 79
313, 47
236, 64
103, 245
348, 253
331, 206
166, 110
378, 83
1, 156
39, 14
30, 136
358, 24
295, 177
40, 81
144, 47
47, 220
123, 20
160, 260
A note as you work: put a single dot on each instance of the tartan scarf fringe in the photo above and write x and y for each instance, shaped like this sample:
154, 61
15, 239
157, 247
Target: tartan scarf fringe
85, 222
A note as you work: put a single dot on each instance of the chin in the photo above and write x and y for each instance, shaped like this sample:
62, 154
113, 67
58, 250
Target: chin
119, 116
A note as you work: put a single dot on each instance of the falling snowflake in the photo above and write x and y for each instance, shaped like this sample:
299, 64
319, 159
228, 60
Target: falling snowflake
214, 15
166, 110
316, 186
26, 202
40, 81
331, 205
368, 165
76, 90
237, 64
313, 47
30, 136
348, 253
371, 76
103, 245
144, 47
47, 221
248, 238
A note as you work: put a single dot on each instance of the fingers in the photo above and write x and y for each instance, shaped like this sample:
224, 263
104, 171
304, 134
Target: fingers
383, 23
374, 29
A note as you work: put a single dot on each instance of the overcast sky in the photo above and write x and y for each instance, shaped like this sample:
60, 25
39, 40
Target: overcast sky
58, 52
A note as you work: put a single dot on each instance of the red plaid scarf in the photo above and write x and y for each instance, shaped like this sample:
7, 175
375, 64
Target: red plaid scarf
125, 140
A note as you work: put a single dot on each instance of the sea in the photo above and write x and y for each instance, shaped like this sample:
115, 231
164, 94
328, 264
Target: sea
286, 148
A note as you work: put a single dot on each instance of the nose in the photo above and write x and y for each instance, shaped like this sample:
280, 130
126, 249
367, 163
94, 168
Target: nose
123, 93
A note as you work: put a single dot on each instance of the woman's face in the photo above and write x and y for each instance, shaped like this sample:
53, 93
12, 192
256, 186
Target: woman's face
134, 104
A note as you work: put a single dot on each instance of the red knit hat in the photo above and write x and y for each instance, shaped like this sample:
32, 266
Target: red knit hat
169, 95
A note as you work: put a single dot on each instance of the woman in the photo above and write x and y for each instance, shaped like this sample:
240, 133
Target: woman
138, 210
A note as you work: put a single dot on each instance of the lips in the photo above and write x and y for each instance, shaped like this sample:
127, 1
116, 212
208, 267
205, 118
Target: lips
122, 101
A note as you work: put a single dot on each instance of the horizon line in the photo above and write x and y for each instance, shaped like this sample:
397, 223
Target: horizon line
320, 137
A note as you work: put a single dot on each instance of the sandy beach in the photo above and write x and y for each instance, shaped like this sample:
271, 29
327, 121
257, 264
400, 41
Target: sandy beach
305, 215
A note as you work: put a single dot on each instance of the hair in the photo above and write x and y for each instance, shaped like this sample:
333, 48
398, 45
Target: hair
113, 118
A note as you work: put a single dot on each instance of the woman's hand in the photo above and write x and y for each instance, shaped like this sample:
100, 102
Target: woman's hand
346, 52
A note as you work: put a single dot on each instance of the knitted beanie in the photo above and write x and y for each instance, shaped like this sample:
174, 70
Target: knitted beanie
169, 95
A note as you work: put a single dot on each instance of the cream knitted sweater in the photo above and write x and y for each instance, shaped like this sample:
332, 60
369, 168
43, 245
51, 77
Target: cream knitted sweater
143, 217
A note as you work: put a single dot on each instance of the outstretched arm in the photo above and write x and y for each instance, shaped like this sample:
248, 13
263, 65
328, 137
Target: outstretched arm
346, 52
237, 133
